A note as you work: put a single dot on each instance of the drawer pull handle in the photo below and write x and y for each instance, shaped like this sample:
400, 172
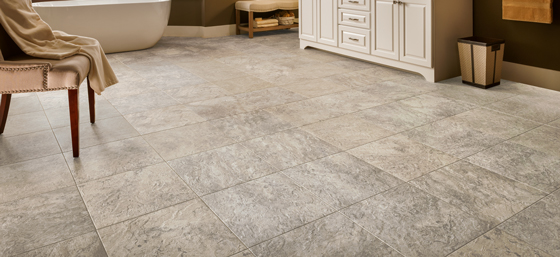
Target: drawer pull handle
353, 39
354, 2
353, 19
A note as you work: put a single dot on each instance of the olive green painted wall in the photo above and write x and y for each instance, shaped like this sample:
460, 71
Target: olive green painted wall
527, 43
186, 13
205, 13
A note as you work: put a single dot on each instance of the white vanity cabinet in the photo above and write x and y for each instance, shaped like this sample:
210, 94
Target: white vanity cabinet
414, 35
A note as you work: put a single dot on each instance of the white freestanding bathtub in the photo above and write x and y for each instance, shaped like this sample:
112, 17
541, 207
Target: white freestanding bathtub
118, 25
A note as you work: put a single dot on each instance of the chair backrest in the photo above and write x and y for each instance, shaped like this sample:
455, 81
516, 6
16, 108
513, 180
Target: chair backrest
7, 45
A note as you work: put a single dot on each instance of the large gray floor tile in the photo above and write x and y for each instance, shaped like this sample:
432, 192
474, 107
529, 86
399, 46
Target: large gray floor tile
130, 88
416, 223
246, 126
243, 84
34, 177
60, 116
212, 70
389, 91
103, 131
538, 225
316, 87
545, 139
26, 123
540, 109
493, 123
304, 112
84, 245
162, 119
142, 102
341, 179
217, 169
439, 107
187, 229
111, 158
196, 93
498, 243
264, 208
26, 147
267, 97
353, 79
402, 157
174, 143
24, 104
396, 117
521, 163
333, 235
40, 220
289, 148
217, 108
167, 76
555, 123
347, 131
131, 194
464, 185
246, 253
453, 138
349, 101
454, 89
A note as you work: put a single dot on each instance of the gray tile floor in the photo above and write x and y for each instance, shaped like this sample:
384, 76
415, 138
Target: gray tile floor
239, 147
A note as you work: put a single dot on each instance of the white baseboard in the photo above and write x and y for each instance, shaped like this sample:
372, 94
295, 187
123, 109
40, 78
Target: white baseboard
531, 75
199, 31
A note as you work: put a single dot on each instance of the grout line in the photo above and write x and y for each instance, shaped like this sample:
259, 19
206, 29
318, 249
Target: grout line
496, 227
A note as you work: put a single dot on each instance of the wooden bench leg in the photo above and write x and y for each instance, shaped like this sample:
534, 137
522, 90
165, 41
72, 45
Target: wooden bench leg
237, 22
74, 121
251, 24
91, 100
4, 108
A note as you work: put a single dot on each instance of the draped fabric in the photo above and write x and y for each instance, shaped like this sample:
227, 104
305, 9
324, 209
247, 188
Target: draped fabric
36, 38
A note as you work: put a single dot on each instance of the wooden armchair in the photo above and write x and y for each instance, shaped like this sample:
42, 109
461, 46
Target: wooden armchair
20, 73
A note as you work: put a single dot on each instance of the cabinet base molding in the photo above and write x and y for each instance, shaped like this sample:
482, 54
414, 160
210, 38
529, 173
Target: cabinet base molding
428, 73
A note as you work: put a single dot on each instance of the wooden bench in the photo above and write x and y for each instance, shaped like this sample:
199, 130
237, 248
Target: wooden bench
262, 6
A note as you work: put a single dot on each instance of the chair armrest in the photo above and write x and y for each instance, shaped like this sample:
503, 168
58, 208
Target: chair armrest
16, 77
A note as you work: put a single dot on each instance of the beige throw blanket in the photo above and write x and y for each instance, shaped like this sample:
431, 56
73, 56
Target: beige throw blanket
36, 38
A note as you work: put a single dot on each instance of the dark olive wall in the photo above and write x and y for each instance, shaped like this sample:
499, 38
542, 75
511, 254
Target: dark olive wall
219, 12
527, 43
205, 13
186, 13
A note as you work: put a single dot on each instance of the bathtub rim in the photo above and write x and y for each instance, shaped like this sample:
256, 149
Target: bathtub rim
80, 3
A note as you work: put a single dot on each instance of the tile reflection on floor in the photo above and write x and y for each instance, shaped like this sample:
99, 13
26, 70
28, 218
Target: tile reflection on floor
253, 147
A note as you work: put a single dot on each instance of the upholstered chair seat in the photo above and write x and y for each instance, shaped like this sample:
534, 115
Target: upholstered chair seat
20, 73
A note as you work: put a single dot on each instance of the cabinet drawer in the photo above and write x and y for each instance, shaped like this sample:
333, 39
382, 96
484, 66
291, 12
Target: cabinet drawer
354, 39
354, 18
362, 5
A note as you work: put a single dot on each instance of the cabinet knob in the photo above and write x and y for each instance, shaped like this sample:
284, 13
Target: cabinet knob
354, 2
353, 19
353, 39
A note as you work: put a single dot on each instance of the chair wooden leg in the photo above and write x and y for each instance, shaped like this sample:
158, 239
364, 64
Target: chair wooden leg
251, 24
74, 120
4, 108
237, 22
91, 100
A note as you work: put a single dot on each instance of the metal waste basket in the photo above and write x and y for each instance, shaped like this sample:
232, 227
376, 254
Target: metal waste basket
481, 61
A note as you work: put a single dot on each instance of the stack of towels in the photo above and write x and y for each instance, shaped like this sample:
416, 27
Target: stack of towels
264, 23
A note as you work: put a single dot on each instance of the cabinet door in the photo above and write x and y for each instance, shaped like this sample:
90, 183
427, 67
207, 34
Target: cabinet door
326, 22
416, 32
307, 18
385, 29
